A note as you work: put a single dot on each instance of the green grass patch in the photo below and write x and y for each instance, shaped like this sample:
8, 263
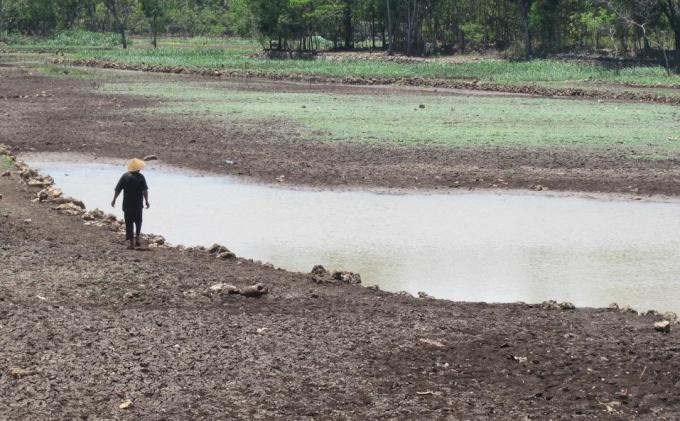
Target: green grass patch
57, 70
234, 57
239, 44
6, 162
458, 121
72, 39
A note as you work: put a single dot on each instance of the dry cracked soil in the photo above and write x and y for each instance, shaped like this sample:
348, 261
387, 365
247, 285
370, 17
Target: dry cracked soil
89, 330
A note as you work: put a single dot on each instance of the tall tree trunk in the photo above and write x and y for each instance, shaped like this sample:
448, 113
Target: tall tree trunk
349, 29
120, 23
121, 30
92, 23
155, 32
390, 30
526, 7
673, 15
411, 27
372, 31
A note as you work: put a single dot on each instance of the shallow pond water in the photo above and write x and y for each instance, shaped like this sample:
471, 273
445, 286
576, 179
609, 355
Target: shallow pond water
474, 246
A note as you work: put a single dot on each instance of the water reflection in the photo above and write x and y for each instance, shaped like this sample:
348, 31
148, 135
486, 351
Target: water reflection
473, 247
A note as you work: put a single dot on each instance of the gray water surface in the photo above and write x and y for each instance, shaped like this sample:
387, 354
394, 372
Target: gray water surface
476, 246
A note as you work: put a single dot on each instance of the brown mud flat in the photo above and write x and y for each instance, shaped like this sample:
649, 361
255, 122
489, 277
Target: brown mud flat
91, 330
46, 114
86, 325
475, 85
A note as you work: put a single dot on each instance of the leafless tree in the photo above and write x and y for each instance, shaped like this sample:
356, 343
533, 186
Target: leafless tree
642, 14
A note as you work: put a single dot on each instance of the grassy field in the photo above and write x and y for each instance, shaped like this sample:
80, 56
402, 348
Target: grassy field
234, 56
646, 131
65, 40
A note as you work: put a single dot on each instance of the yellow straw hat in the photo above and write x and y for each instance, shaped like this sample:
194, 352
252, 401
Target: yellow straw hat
135, 165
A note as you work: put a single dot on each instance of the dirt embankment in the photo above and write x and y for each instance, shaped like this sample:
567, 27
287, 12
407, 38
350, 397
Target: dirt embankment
66, 115
89, 329
527, 89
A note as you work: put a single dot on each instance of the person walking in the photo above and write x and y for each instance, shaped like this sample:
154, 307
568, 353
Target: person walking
134, 188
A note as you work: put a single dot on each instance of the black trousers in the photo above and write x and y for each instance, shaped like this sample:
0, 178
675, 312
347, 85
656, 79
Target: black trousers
133, 221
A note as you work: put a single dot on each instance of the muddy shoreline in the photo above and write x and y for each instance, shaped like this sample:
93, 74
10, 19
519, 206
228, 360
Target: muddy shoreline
86, 325
156, 336
528, 89
599, 195
65, 115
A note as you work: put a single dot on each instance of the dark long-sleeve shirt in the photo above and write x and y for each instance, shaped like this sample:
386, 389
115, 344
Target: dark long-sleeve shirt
133, 185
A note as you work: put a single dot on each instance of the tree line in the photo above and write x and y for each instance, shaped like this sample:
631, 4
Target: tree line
413, 27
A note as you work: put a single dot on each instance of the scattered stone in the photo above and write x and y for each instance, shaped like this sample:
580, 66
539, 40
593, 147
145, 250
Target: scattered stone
222, 289
373, 287
97, 213
261, 330
7, 174
28, 221
229, 162
70, 209
652, 313
567, 306
49, 193
432, 342
610, 407
423, 294
42, 195
25, 172
36, 181
226, 255
54, 192
18, 372
404, 294
319, 270
671, 317
150, 158
613, 306
628, 309
256, 290
550, 305
152, 240
131, 295
76, 202
216, 249
280, 178
347, 277
663, 326
126, 404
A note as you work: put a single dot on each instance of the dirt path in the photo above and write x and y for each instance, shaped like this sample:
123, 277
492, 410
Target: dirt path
86, 325
64, 114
